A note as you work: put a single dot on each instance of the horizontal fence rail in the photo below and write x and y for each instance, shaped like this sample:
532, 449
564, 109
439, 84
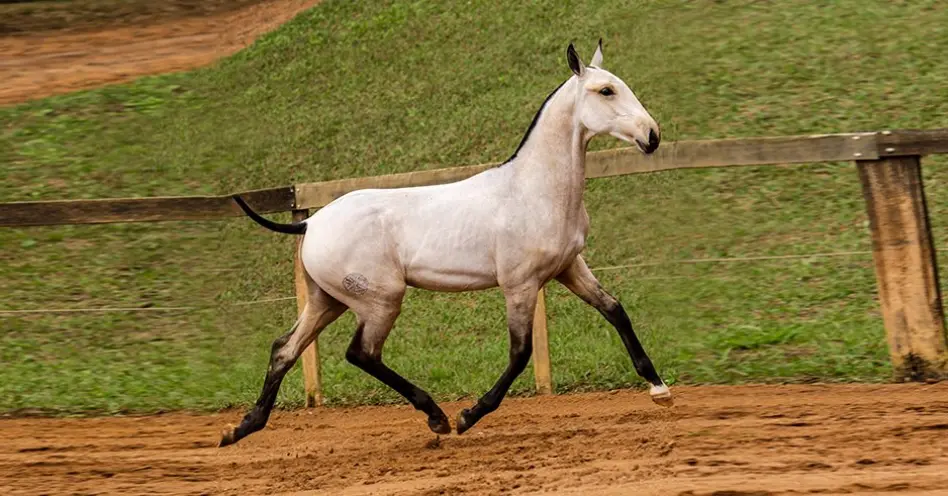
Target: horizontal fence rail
167, 208
606, 163
888, 165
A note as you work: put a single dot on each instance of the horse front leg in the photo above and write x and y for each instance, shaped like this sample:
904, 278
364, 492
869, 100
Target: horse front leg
581, 281
520, 306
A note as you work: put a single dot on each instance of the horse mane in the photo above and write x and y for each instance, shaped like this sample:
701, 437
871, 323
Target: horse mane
533, 123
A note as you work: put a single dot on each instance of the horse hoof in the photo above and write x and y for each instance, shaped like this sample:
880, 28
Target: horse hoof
464, 423
661, 396
439, 425
228, 437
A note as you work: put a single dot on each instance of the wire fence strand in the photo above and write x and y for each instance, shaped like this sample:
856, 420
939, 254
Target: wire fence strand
733, 260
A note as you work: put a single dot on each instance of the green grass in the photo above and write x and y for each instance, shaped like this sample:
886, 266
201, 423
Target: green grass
350, 89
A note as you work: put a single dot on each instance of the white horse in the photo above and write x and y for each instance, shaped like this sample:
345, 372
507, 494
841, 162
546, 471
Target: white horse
517, 226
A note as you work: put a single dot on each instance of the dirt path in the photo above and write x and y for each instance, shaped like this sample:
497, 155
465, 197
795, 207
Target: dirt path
51, 63
738, 441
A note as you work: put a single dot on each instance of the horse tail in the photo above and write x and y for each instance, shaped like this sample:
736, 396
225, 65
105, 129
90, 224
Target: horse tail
294, 228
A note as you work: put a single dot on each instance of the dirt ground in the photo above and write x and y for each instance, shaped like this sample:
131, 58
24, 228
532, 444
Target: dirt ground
58, 56
716, 441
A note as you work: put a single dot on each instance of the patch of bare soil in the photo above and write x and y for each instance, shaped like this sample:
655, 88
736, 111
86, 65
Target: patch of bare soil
716, 441
61, 54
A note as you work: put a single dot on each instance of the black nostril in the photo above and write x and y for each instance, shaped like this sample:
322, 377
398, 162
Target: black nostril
653, 140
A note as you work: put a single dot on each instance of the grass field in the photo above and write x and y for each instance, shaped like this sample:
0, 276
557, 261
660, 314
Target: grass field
351, 89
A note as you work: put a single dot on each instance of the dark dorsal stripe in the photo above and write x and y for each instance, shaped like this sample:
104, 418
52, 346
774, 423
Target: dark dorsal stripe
533, 124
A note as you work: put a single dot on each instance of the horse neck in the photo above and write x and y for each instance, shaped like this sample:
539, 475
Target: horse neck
551, 164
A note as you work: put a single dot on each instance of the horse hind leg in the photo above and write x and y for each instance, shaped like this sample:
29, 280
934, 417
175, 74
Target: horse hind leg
320, 311
365, 352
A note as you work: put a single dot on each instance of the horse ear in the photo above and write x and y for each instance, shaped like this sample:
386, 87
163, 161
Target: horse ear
575, 64
597, 57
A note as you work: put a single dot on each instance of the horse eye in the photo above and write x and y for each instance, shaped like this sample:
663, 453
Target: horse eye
606, 92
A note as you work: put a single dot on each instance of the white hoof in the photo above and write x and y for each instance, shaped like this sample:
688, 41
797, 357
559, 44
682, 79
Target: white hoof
661, 395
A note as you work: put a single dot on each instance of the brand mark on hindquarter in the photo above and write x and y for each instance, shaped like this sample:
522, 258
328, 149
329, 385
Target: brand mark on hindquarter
355, 283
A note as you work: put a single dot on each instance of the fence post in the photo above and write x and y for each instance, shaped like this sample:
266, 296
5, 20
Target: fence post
541, 347
905, 266
312, 382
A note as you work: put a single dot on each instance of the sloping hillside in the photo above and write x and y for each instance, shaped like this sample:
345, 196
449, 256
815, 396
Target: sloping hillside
350, 89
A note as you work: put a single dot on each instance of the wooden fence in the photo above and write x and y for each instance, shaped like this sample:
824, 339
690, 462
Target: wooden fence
888, 165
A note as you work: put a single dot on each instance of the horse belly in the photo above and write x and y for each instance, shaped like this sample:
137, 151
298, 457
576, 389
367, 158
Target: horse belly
450, 281
451, 270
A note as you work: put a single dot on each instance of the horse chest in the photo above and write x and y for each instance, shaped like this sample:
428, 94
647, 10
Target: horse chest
560, 249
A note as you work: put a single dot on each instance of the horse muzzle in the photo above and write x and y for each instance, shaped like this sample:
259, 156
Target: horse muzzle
652, 145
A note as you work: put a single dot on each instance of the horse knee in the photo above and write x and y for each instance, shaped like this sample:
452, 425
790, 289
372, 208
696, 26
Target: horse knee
607, 303
610, 308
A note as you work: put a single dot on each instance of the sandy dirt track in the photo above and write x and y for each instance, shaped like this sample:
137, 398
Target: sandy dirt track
716, 441
51, 63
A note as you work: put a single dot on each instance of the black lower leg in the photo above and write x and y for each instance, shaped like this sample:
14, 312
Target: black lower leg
617, 316
421, 400
257, 418
520, 352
